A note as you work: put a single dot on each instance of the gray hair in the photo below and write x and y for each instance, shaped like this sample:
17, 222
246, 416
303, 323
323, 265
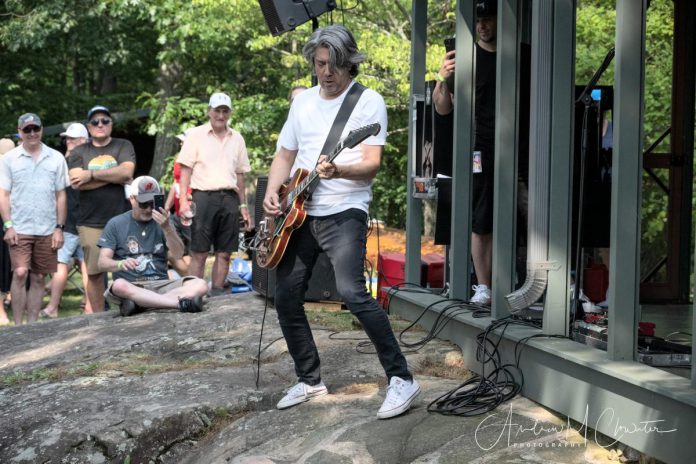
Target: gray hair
343, 50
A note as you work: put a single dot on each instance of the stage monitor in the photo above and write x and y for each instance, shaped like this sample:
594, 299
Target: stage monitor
285, 15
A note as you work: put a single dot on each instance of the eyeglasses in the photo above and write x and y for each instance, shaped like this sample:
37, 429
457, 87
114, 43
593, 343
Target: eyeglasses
30, 129
104, 121
147, 204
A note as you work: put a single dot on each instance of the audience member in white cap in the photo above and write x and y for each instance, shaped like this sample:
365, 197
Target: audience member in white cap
75, 135
134, 248
99, 169
213, 162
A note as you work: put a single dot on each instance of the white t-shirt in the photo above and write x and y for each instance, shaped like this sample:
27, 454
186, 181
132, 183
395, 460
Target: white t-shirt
309, 122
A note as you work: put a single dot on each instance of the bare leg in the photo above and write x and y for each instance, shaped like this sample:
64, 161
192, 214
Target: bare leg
3, 315
19, 293
197, 267
482, 254
85, 280
58, 281
221, 268
95, 292
149, 299
35, 295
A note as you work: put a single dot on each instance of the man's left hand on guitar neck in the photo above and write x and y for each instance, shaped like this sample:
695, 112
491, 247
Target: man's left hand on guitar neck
327, 170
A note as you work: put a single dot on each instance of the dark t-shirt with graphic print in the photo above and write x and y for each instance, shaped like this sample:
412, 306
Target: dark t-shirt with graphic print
143, 241
99, 205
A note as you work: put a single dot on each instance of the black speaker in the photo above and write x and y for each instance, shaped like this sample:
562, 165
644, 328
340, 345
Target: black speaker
285, 15
322, 285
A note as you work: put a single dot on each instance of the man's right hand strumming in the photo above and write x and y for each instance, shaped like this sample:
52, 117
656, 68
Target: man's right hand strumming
271, 204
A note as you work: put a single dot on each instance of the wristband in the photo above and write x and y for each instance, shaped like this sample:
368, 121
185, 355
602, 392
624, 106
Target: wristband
243, 205
7, 224
91, 173
119, 266
439, 77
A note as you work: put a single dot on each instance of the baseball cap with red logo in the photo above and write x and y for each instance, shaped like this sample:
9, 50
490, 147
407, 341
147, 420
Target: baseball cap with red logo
144, 188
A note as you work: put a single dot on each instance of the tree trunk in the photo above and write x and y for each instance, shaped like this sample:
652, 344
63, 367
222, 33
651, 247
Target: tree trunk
165, 142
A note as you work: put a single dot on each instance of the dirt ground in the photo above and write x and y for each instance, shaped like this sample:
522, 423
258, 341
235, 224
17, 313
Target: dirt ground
386, 239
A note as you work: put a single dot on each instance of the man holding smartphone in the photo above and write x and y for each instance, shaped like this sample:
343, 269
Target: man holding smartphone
134, 247
482, 157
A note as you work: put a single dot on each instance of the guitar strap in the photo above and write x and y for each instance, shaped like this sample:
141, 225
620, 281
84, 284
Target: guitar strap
339, 123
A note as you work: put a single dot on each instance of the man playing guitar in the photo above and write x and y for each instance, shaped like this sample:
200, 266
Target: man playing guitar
336, 217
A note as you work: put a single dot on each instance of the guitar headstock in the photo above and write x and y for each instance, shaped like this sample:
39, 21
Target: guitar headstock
358, 135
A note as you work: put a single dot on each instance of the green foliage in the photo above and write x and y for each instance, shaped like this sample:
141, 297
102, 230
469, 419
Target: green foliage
60, 58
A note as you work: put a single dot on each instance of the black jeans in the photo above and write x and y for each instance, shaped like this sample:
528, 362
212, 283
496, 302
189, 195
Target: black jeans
343, 237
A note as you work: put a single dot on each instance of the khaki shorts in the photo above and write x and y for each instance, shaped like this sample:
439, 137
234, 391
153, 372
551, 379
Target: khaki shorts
89, 236
34, 252
158, 286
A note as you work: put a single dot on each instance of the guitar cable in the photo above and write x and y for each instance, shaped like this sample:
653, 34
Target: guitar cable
263, 321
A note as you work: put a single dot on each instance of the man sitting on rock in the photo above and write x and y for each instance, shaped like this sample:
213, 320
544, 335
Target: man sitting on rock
134, 248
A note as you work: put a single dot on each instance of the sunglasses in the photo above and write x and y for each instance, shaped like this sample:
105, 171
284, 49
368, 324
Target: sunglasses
30, 129
147, 204
104, 121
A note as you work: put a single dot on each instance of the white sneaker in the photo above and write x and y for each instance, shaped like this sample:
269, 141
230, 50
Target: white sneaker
400, 394
482, 295
301, 393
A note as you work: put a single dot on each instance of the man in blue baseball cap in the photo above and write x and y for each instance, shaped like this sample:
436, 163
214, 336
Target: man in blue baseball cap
99, 169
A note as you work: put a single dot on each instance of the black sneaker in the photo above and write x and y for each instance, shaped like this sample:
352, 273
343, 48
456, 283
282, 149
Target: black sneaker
191, 305
129, 308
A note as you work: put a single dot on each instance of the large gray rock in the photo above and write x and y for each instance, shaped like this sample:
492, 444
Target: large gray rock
171, 387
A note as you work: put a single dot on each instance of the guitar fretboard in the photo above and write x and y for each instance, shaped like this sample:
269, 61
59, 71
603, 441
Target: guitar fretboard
302, 186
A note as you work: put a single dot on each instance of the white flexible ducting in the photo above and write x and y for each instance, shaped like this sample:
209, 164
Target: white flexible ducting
539, 159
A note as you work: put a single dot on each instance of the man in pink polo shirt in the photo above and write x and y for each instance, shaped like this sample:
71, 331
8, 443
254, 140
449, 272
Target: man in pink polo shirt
213, 161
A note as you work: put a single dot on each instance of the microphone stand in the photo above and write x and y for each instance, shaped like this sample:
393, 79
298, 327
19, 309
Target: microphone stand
586, 99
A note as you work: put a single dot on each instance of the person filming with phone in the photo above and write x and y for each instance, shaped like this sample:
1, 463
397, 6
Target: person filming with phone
134, 248
482, 157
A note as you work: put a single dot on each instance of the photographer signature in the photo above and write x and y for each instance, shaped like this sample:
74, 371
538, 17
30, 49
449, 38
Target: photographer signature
607, 420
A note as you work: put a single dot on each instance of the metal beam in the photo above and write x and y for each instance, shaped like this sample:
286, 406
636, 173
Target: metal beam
684, 84
561, 168
626, 179
506, 150
464, 85
414, 215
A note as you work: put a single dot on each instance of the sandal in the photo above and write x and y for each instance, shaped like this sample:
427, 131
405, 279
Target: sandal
48, 315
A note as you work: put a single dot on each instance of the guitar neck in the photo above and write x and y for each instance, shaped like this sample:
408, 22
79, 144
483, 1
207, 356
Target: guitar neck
304, 185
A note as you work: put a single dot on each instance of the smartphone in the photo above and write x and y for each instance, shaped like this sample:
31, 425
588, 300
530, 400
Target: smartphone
449, 44
159, 201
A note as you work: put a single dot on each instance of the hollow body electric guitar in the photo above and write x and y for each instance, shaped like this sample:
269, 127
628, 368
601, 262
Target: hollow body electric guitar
274, 231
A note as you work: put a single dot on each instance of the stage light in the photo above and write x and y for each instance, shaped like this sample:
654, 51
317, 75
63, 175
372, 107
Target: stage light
285, 15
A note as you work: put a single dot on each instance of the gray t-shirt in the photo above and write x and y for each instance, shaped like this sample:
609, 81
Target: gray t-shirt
143, 241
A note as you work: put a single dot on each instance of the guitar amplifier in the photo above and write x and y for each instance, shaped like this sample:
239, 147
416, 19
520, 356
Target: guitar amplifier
321, 286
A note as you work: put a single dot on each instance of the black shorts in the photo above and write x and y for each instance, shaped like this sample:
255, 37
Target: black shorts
482, 196
216, 222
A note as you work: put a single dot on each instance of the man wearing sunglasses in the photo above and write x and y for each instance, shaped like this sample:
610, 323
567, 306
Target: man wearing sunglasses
99, 169
33, 205
134, 248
